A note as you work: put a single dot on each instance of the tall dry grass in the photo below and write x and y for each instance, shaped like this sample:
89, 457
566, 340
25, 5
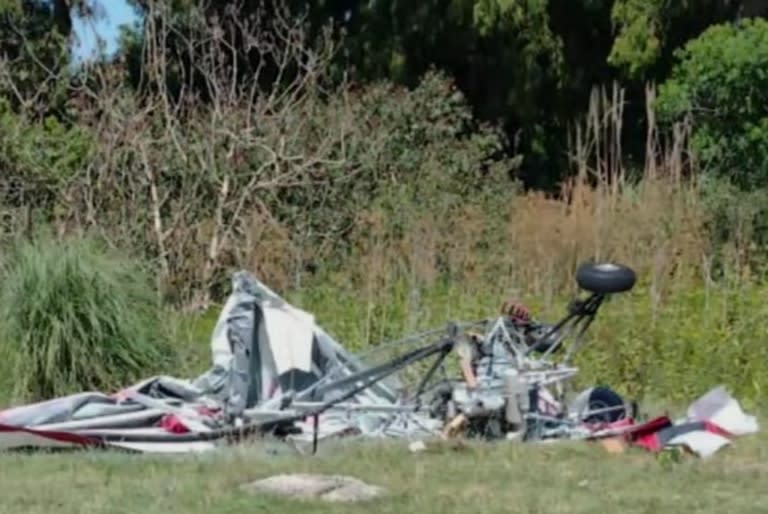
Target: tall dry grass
530, 243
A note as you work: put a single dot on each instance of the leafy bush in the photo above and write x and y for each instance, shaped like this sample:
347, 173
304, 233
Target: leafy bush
720, 81
74, 317
736, 221
41, 152
402, 149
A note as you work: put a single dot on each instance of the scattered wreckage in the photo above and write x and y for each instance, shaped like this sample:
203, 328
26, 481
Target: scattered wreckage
277, 373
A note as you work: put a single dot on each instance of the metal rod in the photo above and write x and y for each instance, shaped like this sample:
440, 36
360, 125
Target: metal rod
430, 372
386, 369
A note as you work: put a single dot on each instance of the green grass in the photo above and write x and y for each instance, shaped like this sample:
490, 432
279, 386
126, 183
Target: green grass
76, 316
676, 348
191, 340
675, 345
479, 478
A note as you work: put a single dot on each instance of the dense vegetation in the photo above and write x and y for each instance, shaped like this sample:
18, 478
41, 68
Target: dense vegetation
391, 165
78, 316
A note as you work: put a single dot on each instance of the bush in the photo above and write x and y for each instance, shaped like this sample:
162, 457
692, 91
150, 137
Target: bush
720, 81
74, 316
736, 221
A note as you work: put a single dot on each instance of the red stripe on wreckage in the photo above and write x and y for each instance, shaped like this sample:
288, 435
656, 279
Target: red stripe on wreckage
12, 438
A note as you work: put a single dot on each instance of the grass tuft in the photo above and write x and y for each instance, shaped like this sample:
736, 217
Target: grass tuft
75, 316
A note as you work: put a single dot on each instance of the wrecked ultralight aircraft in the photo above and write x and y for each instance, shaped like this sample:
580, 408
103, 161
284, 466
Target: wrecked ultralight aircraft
277, 373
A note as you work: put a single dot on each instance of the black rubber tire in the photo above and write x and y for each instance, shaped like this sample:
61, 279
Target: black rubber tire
605, 278
603, 397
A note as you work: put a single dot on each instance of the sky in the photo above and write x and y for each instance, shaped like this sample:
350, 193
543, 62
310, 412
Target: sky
117, 13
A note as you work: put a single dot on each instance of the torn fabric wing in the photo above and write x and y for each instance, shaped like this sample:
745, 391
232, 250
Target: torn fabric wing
262, 348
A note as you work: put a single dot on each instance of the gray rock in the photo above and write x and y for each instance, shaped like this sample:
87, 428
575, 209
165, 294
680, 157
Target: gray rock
332, 488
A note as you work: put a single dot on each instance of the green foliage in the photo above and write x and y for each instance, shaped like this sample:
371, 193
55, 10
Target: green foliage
43, 151
428, 138
34, 44
529, 64
720, 82
698, 338
77, 317
649, 31
737, 222
503, 54
191, 337
407, 151
638, 44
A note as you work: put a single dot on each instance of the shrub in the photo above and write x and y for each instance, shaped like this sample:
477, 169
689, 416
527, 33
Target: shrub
74, 316
736, 221
720, 81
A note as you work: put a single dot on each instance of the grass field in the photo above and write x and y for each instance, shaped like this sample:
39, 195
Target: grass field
478, 478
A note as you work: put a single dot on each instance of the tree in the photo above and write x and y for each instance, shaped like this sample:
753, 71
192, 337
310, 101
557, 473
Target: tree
720, 83
35, 44
649, 31
503, 55
529, 64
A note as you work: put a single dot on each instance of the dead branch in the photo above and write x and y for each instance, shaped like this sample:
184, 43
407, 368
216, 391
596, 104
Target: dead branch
228, 116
